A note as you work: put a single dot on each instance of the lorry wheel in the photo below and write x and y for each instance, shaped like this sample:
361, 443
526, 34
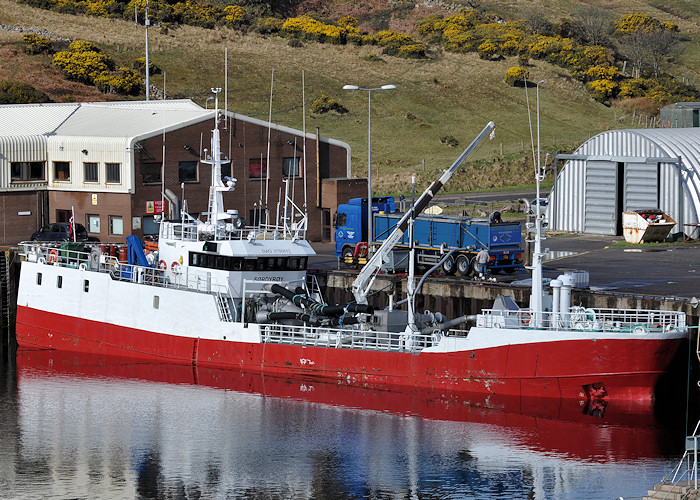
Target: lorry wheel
496, 271
463, 267
448, 267
348, 252
509, 270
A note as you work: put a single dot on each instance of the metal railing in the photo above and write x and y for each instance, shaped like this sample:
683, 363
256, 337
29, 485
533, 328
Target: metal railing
358, 338
638, 321
51, 254
189, 231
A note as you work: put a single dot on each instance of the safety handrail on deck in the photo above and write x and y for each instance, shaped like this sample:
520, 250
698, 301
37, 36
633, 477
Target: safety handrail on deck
347, 338
638, 321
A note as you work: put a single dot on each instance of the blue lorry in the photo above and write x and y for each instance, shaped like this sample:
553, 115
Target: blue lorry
433, 237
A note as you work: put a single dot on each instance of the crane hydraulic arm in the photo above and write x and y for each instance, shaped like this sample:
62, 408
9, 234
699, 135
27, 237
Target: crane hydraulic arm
363, 283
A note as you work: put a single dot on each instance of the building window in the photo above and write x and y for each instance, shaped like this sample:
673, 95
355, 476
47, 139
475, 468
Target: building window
257, 216
113, 172
150, 226
150, 172
62, 215
326, 223
93, 223
27, 171
187, 171
290, 167
116, 224
61, 170
91, 172
257, 168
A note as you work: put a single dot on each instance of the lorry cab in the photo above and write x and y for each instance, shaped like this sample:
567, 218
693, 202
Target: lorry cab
350, 222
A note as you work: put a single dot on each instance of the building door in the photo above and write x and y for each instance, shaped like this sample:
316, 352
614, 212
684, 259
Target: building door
601, 198
641, 186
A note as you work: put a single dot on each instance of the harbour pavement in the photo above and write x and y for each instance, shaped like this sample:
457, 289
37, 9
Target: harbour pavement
660, 270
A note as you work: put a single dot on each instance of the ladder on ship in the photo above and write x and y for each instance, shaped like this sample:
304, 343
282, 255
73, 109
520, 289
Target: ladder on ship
224, 307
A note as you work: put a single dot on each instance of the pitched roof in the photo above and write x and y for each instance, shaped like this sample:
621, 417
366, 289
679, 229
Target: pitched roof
107, 119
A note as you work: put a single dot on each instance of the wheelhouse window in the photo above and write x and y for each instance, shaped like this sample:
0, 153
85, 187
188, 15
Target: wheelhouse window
91, 172
23, 171
61, 170
113, 172
228, 263
257, 168
187, 171
116, 224
226, 170
150, 172
290, 167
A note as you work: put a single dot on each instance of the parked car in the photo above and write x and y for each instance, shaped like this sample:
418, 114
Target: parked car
59, 231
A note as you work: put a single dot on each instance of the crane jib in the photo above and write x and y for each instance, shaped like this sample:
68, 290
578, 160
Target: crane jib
363, 282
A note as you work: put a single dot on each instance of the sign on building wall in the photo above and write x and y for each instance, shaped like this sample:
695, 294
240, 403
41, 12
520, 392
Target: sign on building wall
155, 207
94, 199
136, 223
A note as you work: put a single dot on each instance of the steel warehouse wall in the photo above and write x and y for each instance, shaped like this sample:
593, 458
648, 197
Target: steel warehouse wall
20, 148
574, 209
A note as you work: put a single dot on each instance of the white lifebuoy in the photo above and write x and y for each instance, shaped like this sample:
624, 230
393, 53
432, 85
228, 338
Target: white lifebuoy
162, 265
640, 329
83, 266
175, 267
525, 318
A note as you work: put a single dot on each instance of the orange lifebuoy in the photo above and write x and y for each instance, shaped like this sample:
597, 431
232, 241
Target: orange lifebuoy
53, 255
162, 265
175, 267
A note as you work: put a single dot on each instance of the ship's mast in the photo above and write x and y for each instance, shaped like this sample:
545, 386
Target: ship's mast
217, 188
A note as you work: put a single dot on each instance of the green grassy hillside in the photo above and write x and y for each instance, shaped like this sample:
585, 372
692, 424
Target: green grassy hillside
446, 94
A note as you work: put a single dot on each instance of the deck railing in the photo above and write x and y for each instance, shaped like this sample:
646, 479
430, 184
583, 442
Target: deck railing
638, 321
347, 338
53, 254
189, 231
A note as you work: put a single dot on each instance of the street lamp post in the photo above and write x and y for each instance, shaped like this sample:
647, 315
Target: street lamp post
536, 301
369, 155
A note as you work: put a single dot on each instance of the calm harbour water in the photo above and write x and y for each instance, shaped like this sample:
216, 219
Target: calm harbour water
80, 427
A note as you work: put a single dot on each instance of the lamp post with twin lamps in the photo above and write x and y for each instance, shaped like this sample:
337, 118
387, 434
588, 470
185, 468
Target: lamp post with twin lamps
369, 155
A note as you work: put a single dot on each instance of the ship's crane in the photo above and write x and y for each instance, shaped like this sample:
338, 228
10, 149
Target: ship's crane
365, 279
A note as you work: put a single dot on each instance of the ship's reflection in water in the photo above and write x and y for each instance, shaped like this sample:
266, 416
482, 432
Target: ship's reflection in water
74, 426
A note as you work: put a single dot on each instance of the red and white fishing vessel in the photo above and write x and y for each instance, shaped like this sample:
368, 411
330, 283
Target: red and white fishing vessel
222, 294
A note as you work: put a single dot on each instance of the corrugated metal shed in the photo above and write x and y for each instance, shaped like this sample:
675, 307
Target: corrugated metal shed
680, 115
622, 170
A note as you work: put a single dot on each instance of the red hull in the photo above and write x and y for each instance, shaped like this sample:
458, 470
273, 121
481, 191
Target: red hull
623, 370
599, 433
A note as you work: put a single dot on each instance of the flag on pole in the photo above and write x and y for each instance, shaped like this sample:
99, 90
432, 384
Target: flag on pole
71, 226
